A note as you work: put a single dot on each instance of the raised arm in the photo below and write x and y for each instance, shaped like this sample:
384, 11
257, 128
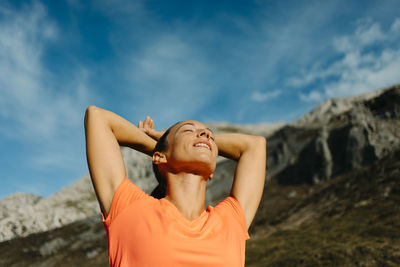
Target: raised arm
250, 153
105, 131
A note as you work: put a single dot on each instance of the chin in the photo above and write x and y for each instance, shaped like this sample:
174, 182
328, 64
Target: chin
206, 169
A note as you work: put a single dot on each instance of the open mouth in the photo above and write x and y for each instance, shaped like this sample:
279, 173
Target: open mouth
203, 145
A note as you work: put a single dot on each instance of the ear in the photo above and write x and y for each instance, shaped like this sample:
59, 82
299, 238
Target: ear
159, 158
211, 176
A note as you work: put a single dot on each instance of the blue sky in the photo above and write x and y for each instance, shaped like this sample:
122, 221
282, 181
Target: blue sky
234, 61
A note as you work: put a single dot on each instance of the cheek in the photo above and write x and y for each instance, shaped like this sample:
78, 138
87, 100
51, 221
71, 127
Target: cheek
215, 150
177, 151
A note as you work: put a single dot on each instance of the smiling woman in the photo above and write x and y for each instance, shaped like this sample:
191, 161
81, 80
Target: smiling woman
162, 145
173, 225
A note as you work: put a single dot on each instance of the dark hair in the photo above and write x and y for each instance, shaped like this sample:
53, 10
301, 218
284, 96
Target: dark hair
161, 190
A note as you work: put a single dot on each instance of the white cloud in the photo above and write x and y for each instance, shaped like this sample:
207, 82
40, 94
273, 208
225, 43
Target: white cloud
361, 67
313, 96
34, 106
262, 97
395, 28
367, 33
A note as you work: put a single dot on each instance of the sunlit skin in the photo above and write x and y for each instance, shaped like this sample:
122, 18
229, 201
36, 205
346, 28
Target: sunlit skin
187, 163
186, 149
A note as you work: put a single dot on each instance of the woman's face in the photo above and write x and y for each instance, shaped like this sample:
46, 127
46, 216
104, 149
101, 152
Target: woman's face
191, 148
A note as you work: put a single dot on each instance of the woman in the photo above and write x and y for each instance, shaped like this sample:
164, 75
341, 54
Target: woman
174, 230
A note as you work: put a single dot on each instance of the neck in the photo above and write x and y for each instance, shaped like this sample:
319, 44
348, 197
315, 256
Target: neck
187, 192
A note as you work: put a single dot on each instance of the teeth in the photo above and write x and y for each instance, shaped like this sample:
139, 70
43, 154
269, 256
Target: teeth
202, 145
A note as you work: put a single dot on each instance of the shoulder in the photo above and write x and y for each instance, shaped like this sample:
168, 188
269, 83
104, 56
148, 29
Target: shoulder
230, 204
125, 194
230, 208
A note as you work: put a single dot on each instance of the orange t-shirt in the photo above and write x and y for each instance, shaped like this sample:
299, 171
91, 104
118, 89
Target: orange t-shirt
145, 231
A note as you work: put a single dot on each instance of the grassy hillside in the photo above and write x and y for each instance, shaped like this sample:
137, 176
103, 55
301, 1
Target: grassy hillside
353, 220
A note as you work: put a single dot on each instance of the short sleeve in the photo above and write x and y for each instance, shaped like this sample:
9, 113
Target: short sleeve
235, 209
126, 193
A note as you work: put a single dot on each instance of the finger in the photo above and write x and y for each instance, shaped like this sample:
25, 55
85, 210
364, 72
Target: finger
151, 124
140, 124
147, 121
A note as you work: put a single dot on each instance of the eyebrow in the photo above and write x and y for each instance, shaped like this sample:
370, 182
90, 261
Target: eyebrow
190, 123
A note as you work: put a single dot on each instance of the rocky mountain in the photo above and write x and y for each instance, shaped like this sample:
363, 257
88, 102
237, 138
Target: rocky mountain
337, 136
330, 166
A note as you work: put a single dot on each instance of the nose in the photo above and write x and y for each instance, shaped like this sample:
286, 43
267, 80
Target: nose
204, 132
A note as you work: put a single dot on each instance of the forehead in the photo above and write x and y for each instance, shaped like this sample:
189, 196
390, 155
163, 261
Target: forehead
181, 124
192, 123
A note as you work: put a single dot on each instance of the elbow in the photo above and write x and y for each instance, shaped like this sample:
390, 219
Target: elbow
90, 111
259, 141
255, 144
258, 145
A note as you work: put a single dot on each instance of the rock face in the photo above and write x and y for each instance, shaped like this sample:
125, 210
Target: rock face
35, 214
337, 137
319, 147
